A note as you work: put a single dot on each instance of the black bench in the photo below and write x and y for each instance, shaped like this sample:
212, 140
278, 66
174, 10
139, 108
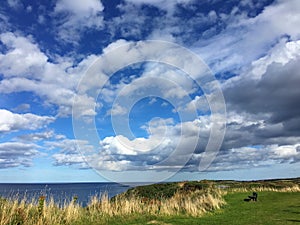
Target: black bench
253, 197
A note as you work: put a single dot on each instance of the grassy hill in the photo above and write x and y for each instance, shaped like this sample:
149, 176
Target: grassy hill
167, 190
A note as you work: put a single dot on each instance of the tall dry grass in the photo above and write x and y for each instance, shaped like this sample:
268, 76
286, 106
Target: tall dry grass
194, 203
101, 208
294, 188
13, 211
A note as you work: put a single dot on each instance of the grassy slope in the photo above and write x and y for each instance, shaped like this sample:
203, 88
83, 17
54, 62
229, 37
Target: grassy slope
272, 208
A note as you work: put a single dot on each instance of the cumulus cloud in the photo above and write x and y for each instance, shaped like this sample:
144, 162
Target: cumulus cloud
77, 16
257, 156
118, 153
168, 6
33, 137
69, 152
69, 159
24, 107
161, 20
15, 4
22, 58
264, 111
168, 146
117, 110
15, 154
13, 122
281, 53
36, 73
26, 68
163, 80
276, 93
239, 45
199, 102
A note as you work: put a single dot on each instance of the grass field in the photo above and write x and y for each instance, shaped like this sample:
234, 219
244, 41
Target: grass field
191, 202
271, 208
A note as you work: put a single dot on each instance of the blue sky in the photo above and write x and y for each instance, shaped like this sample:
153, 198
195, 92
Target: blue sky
149, 90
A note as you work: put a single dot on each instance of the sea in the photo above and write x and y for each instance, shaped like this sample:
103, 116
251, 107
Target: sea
61, 192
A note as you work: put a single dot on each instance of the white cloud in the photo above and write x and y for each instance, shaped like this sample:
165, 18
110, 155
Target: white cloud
200, 103
4, 21
13, 122
70, 152
78, 7
152, 101
285, 151
22, 58
165, 139
24, 107
112, 165
29, 9
41, 19
69, 159
117, 110
282, 53
15, 4
26, 68
159, 80
33, 137
280, 25
246, 39
162, 80
15, 154
82, 15
168, 6
249, 157
69, 146
263, 118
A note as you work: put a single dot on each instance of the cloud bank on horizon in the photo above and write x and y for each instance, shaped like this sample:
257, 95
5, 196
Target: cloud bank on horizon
252, 47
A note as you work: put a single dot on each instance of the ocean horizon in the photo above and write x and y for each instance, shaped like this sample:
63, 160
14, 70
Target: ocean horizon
61, 192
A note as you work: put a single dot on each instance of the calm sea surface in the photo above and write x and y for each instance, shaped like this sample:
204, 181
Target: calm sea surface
61, 192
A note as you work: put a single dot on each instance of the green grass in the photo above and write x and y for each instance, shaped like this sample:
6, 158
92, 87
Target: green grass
271, 208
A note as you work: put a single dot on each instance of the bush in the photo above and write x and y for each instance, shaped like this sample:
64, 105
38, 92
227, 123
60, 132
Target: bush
154, 191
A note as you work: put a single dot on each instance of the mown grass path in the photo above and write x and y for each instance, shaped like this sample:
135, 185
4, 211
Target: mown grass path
270, 209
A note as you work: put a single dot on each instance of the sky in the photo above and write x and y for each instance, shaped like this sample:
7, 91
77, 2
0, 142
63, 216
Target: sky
149, 90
